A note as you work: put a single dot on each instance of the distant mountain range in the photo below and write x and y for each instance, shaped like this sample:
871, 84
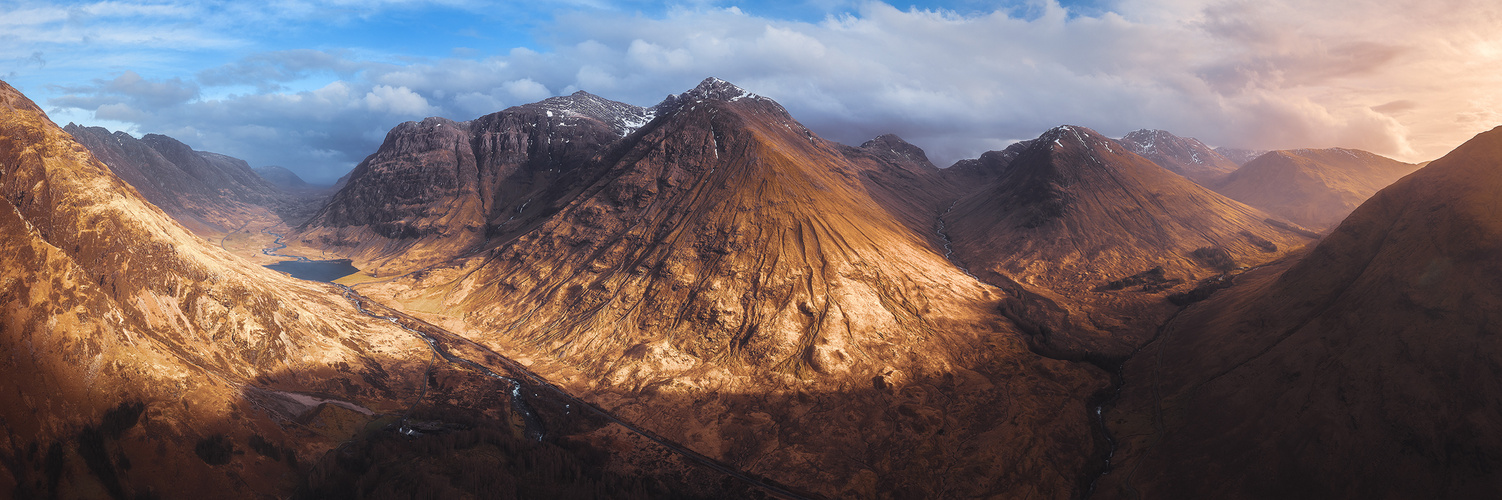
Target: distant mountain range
704, 298
208, 192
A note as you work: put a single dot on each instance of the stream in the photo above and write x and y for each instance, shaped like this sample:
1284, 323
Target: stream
949, 245
306, 269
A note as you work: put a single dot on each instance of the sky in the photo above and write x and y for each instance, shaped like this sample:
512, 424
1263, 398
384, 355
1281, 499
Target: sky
315, 85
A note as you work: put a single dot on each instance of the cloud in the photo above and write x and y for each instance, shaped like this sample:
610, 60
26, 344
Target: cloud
1407, 80
399, 101
268, 70
130, 88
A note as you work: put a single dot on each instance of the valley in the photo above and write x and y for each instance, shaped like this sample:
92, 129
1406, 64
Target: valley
704, 298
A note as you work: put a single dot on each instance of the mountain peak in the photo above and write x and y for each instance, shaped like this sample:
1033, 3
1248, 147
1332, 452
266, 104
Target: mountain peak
1064, 135
892, 147
623, 118
711, 89
717, 89
1185, 156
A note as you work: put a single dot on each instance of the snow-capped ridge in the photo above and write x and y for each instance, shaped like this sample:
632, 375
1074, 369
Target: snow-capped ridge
710, 90
623, 118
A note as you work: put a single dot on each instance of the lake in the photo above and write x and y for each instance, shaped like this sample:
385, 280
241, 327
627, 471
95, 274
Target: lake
316, 270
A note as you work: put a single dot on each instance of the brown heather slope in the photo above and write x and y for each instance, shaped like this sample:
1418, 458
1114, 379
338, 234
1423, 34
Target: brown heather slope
1371, 368
437, 189
1105, 235
754, 292
1313, 187
1185, 156
130, 344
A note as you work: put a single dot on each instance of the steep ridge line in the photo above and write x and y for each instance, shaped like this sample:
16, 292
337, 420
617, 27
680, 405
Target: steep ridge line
443, 341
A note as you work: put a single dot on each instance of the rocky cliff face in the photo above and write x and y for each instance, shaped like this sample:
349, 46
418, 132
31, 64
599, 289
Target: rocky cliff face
438, 188
1104, 235
1366, 369
759, 294
140, 358
1185, 156
1313, 187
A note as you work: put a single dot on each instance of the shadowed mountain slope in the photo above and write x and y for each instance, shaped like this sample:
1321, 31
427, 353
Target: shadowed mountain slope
1185, 156
741, 285
1313, 187
140, 357
1105, 234
1368, 369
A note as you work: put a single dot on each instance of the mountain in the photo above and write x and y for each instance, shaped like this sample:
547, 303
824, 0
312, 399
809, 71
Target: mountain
210, 193
1313, 187
1182, 155
742, 286
1240, 156
1104, 234
145, 362
1367, 369
282, 178
977, 172
438, 188
197, 193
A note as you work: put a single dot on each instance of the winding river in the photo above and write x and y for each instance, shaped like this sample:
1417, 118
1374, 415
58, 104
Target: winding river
306, 269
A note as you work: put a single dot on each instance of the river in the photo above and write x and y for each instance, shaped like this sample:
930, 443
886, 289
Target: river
305, 269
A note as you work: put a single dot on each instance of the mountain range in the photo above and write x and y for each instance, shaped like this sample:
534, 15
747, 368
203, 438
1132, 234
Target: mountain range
708, 297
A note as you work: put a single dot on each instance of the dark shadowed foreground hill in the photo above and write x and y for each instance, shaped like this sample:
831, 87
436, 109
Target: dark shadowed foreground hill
1370, 368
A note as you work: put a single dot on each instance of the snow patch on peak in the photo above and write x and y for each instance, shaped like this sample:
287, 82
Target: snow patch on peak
621, 117
716, 89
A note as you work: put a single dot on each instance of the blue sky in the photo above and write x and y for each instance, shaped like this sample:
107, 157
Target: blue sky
315, 84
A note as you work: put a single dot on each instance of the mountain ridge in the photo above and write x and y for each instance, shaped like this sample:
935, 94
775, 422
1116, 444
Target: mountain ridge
1075, 212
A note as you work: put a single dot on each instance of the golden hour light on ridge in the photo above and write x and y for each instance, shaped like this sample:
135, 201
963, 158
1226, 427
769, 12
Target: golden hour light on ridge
626, 249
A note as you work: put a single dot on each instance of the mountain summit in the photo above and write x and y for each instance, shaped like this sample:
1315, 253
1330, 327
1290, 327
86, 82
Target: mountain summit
621, 117
1182, 155
1314, 187
1075, 212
